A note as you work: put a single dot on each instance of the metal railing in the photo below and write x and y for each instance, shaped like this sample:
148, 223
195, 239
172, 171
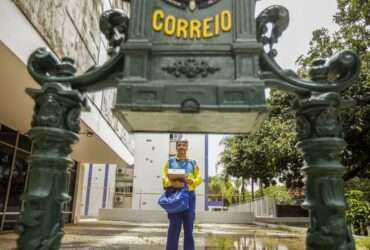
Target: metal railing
261, 207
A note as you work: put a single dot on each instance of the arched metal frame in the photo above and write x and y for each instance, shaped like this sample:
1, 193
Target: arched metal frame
60, 100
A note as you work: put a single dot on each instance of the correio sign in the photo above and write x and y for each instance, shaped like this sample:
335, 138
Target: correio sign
192, 28
191, 64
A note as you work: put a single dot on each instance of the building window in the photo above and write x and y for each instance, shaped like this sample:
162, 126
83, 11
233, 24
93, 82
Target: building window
176, 137
14, 151
7, 135
6, 155
68, 207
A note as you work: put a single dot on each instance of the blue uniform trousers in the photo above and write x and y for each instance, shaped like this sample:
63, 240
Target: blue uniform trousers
186, 219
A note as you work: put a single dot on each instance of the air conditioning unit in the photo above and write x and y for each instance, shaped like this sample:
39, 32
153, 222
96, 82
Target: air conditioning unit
119, 199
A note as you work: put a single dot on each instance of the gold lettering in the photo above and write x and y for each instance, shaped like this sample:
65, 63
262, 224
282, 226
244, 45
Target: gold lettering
170, 25
226, 21
217, 24
195, 26
182, 28
157, 20
207, 27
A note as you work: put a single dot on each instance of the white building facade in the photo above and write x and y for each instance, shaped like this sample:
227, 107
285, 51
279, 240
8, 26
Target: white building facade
98, 189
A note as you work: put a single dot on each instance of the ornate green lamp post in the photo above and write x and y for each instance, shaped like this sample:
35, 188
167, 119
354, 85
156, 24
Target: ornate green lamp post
320, 134
196, 67
55, 127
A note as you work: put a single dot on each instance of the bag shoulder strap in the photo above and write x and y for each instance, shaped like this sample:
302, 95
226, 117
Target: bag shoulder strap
193, 164
172, 163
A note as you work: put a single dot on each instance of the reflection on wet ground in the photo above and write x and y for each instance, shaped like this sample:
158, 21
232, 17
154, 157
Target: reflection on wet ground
253, 243
84, 237
125, 236
217, 243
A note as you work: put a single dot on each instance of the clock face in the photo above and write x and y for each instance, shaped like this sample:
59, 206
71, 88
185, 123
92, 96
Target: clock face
192, 4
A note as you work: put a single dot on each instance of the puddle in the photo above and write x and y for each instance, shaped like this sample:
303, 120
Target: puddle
252, 243
87, 237
123, 239
207, 242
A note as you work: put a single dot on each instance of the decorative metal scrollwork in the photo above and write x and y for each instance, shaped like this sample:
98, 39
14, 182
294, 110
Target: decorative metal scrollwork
114, 25
191, 68
278, 16
334, 74
45, 67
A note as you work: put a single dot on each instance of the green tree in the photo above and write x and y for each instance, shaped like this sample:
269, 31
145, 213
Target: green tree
358, 212
279, 194
270, 153
358, 183
221, 188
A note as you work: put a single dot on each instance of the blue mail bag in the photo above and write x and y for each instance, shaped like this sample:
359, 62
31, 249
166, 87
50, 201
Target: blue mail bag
175, 200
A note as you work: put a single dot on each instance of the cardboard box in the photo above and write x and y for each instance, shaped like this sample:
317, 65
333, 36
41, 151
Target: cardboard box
176, 174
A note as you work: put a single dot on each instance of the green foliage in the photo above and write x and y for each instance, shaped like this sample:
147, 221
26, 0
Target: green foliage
222, 188
358, 211
220, 242
279, 194
363, 243
358, 183
269, 153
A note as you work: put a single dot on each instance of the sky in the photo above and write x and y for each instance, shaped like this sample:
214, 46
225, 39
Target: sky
305, 17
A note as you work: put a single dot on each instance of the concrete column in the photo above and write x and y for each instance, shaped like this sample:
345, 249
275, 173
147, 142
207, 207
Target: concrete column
76, 212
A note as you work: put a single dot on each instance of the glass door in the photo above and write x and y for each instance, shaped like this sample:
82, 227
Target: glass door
17, 187
6, 156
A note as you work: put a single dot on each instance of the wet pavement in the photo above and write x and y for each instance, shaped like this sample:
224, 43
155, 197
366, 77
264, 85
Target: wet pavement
93, 235
126, 236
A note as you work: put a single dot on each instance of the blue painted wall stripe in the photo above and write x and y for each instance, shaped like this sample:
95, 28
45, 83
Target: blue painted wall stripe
88, 189
105, 189
206, 173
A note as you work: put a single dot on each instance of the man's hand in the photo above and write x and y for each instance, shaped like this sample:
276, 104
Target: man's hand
189, 181
177, 184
